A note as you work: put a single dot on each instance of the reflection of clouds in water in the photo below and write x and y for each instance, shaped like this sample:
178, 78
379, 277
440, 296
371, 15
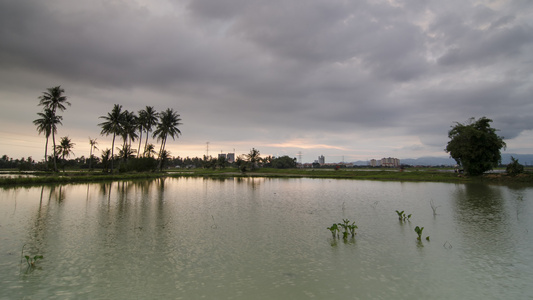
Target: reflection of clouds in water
215, 237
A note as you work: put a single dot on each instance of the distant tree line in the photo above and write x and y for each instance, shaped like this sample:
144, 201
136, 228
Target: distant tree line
102, 163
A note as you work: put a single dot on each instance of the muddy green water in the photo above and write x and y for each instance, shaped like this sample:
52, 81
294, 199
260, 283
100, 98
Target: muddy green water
192, 238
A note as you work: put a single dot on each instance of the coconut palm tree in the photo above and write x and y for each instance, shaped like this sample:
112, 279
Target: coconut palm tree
54, 99
169, 120
65, 149
150, 150
106, 156
140, 127
112, 125
148, 118
165, 156
47, 124
129, 134
93, 144
253, 158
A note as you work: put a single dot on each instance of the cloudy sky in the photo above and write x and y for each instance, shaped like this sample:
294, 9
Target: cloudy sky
351, 80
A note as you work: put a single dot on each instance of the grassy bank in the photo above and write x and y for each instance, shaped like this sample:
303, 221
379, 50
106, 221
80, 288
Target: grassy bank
413, 175
421, 175
71, 177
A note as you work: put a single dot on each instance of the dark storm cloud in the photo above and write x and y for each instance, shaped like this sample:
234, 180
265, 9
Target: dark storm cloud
335, 68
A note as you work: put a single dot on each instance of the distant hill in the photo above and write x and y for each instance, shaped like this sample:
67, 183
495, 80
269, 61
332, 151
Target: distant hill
524, 159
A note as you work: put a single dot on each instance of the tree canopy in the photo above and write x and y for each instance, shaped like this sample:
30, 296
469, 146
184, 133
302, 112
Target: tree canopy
475, 145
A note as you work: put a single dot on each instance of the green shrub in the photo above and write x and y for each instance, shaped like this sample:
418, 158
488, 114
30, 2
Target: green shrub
142, 164
514, 167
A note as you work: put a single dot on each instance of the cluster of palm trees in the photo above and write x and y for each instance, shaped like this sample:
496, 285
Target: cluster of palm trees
131, 127
52, 100
118, 122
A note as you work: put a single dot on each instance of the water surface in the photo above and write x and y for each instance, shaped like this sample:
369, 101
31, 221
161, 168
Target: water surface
192, 238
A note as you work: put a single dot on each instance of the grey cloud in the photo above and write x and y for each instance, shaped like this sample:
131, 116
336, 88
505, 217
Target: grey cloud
285, 68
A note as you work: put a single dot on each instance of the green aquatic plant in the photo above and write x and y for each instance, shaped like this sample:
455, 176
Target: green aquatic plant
418, 231
347, 228
29, 260
344, 225
334, 229
32, 260
402, 216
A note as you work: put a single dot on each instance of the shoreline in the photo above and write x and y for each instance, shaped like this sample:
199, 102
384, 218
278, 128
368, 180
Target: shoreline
425, 175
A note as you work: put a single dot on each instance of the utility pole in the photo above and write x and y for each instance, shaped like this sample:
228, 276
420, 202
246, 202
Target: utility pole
207, 150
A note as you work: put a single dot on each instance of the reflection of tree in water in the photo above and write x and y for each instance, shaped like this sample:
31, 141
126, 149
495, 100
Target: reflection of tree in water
57, 193
253, 182
480, 211
133, 224
128, 206
38, 229
488, 233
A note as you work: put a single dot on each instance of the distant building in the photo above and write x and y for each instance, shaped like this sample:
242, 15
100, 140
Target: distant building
390, 162
321, 160
230, 157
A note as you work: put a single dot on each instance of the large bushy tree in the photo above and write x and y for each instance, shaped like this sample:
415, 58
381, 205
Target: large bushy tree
475, 145
284, 162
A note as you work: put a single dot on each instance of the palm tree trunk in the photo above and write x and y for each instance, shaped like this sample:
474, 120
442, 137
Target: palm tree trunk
146, 142
112, 152
140, 142
163, 142
161, 148
54, 140
63, 160
91, 158
46, 153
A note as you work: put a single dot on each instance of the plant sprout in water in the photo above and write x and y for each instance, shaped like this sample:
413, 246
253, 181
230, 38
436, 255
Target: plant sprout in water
347, 227
402, 216
334, 229
418, 231
32, 260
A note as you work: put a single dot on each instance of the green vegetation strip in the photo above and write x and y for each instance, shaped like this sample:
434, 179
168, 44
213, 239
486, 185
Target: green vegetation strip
420, 175
424, 175
39, 179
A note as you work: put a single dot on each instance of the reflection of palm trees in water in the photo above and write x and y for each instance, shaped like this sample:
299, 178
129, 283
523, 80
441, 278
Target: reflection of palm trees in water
254, 182
38, 230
